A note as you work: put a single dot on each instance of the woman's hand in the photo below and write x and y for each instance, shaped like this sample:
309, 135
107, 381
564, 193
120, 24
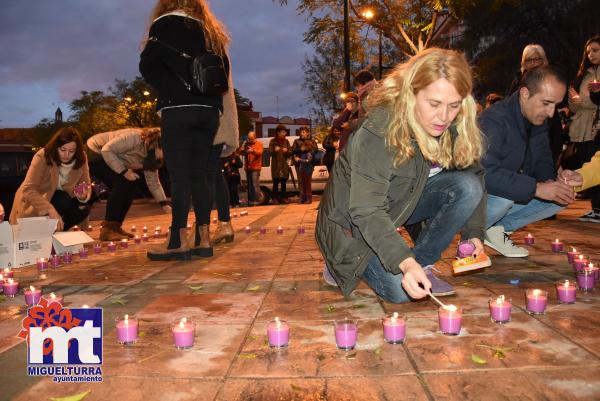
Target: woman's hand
53, 214
574, 96
414, 277
130, 175
479, 249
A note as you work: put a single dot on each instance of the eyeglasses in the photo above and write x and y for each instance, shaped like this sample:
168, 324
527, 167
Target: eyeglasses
533, 60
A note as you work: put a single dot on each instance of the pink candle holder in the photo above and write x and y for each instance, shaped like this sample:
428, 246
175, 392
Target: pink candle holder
557, 246
133, 229
83, 253
301, 230
76, 228
67, 257
124, 243
8, 273
183, 333
189, 227
279, 230
346, 333
144, 229
156, 234
586, 279
137, 239
42, 264
566, 292
500, 309
214, 220
90, 228
55, 261
450, 319
97, 248
52, 297
247, 230
579, 263
112, 247
127, 330
529, 239
278, 333
263, 230
244, 213
10, 287
235, 215
537, 300
394, 329
571, 255
145, 237
32, 296
465, 249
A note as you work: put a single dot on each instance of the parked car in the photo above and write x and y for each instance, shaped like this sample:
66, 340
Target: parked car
320, 174
13, 168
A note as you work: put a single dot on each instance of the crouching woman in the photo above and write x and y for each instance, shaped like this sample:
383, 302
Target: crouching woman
415, 159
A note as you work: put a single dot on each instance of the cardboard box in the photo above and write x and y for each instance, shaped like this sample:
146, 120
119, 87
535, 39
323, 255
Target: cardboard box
22, 244
70, 241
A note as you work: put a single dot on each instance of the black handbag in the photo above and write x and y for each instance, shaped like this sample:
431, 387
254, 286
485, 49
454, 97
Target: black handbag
209, 76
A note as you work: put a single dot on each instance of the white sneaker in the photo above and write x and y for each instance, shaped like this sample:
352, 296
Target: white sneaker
497, 239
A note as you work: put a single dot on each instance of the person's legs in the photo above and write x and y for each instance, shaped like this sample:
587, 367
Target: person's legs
387, 285
497, 208
307, 180
70, 209
519, 216
120, 199
283, 193
216, 182
275, 187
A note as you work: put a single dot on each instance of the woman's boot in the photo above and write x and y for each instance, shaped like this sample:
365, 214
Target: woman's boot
224, 232
200, 241
110, 231
163, 252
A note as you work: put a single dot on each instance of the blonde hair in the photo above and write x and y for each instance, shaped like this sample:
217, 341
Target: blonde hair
216, 35
397, 93
151, 137
531, 50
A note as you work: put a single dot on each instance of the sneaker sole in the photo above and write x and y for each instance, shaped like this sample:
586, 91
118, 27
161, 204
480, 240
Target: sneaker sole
588, 220
504, 254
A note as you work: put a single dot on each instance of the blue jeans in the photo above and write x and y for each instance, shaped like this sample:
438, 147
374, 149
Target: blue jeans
512, 216
447, 202
253, 176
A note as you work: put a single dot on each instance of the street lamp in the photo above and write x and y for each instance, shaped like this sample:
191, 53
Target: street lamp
368, 14
146, 93
346, 46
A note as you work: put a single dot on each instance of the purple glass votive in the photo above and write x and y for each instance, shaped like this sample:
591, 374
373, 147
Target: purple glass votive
586, 279
55, 261
500, 309
127, 330
346, 333
83, 253
536, 301
301, 230
137, 239
263, 230
67, 257
42, 264
247, 230
10, 287
124, 243
450, 320
279, 230
557, 246
278, 333
111, 246
8, 273
32, 296
97, 248
465, 249
394, 329
529, 239
579, 263
145, 237
566, 292
183, 333
571, 255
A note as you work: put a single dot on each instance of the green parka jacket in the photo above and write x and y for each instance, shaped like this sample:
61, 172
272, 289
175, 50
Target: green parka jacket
367, 197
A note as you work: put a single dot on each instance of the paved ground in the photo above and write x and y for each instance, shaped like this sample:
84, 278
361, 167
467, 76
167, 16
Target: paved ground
232, 296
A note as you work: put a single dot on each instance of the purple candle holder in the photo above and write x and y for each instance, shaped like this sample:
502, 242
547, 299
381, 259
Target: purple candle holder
346, 334
133, 229
32, 296
10, 287
144, 229
42, 264
8, 273
529, 239
83, 253
278, 333
500, 309
55, 261
537, 300
247, 230
301, 230
67, 257
566, 292
571, 255
586, 279
465, 249
145, 237
112, 247
394, 329
557, 246
137, 239
450, 319
263, 230
124, 243
97, 248
279, 230
183, 333
579, 263
127, 330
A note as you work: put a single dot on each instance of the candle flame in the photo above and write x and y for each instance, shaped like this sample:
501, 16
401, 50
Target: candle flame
451, 308
500, 300
126, 318
52, 295
85, 306
31, 288
536, 293
556, 240
574, 250
11, 281
566, 283
183, 320
528, 235
277, 322
111, 243
1, 276
6, 270
580, 257
591, 265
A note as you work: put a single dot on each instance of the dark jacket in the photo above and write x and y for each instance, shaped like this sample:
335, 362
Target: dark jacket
330, 150
160, 66
367, 197
280, 159
506, 130
231, 167
352, 120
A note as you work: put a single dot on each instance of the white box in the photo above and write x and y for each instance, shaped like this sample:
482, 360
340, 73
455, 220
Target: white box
70, 241
22, 244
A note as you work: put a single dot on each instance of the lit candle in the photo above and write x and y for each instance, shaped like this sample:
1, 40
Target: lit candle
183, 334
572, 255
579, 262
247, 230
278, 333
566, 292
279, 230
32, 296
189, 227
145, 229
90, 228
234, 215
111, 246
83, 253
301, 230
465, 249
244, 213
586, 279
595, 270
557, 246
529, 239
54, 261
97, 248
137, 239
145, 237
76, 228
10, 287
500, 309
263, 230
214, 220
127, 330
536, 301
399, 230
157, 228
54, 298
394, 329
67, 257
124, 243
346, 333
133, 229
1, 279
450, 319
7, 273
42, 264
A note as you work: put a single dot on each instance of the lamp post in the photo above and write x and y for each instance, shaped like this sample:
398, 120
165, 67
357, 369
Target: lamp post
346, 46
368, 14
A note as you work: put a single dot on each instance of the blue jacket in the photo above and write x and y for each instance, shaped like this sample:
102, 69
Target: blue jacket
505, 128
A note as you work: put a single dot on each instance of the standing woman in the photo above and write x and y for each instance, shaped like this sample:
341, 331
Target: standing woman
280, 151
584, 125
189, 120
57, 183
414, 159
304, 149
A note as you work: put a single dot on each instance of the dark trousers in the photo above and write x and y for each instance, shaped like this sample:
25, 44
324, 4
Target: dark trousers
216, 182
279, 182
121, 194
70, 209
187, 136
232, 185
584, 153
306, 187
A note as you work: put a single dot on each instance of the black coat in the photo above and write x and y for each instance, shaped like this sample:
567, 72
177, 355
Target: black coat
160, 66
512, 169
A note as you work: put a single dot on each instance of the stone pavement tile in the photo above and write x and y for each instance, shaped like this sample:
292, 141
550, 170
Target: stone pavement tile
566, 384
127, 388
578, 325
531, 344
217, 308
304, 271
312, 352
230, 269
320, 305
507, 385
346, 389
154, 354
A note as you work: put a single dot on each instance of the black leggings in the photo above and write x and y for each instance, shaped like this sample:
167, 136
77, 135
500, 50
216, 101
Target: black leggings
70, 209
187, 136
216, 182
121, 194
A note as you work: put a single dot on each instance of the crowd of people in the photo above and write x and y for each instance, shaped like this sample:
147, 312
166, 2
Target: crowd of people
412, 150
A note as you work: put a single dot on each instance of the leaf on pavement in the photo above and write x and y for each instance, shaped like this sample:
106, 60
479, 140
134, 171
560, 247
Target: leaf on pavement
477, 359
76, 397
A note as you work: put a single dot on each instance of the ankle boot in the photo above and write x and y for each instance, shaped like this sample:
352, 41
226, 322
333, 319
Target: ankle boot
163, 252
110, 231
200, 241
124, 233
224, 232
